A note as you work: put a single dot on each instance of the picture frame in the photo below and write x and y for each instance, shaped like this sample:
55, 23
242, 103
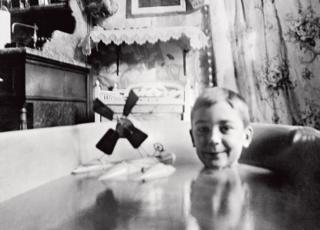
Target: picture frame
151, 7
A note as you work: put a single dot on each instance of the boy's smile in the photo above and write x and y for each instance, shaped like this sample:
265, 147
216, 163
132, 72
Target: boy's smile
219, 135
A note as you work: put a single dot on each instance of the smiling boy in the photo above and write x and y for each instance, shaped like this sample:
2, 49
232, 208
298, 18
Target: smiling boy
220, 127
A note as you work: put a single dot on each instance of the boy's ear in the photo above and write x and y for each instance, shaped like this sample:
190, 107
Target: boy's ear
192, 139
248, 136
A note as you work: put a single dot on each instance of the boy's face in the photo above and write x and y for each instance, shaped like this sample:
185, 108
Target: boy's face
218, 133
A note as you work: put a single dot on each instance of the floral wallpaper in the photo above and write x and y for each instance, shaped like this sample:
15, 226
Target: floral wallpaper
274, 53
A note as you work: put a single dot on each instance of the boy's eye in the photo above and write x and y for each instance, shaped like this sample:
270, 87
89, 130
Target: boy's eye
203, 130
225, 128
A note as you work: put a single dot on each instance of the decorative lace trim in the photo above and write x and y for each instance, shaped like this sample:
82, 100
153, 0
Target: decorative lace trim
197, 39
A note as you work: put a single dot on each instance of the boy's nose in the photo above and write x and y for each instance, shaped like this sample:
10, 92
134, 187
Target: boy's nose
216, 136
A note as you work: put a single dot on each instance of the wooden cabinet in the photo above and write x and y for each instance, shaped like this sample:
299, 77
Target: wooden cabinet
53, 92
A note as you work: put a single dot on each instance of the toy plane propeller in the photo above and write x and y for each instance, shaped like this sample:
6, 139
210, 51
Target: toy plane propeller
124, 127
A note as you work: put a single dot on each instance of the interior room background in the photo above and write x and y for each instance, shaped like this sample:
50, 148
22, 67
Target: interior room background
265, 49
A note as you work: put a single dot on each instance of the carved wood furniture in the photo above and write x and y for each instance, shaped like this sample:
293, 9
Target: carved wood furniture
51, 91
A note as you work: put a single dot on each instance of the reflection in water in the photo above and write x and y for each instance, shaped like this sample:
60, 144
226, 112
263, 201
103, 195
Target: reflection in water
113, 209
133, 205
257, 200
219, 200
112, 213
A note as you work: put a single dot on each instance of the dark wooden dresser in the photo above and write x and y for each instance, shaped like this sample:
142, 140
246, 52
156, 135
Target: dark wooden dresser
45, 91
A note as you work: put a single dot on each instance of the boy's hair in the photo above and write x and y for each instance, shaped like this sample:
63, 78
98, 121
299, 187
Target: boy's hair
211, 96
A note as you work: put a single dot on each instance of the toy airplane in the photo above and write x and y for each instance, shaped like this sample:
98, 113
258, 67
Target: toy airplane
129, 167
157, 171
92, 167
124, 127
145, 168
151, 167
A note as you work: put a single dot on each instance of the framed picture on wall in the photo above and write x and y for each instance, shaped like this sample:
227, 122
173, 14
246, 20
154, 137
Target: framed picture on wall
149, 7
